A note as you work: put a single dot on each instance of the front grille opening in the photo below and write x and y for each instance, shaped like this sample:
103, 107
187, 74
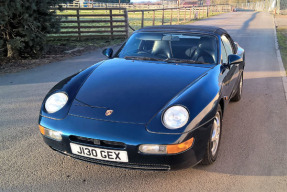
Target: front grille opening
112, 144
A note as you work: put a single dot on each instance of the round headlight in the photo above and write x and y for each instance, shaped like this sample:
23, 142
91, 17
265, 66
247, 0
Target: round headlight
175, 117
56, 102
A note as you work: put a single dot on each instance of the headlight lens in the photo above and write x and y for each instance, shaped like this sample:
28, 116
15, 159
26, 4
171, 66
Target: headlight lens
56, 102
175, 117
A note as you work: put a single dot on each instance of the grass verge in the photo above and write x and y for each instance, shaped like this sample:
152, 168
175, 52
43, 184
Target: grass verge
282, 41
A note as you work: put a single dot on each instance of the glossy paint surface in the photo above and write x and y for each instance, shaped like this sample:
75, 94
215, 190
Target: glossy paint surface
135, 90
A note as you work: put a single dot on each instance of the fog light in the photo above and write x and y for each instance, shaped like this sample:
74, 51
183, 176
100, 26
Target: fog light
153, 149
166, 149
57, 135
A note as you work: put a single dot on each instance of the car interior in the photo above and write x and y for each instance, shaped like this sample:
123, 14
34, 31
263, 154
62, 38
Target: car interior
196, 48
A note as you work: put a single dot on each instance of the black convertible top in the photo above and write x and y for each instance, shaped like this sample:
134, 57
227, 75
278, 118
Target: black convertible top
184, 28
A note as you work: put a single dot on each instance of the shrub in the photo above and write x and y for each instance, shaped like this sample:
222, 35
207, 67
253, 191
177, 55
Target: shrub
24, 25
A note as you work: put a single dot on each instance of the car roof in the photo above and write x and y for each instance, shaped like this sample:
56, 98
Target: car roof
184, 28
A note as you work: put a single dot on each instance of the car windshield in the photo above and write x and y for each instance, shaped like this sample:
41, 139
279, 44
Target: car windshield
171, 47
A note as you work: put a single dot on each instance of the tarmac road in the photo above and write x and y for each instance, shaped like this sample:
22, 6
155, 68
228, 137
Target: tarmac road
253, 151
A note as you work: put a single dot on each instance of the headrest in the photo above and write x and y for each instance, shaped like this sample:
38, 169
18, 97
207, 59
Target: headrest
161, 47
207, 44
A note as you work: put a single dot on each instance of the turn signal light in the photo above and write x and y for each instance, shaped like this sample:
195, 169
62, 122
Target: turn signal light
172, 149
42, 129
56, 135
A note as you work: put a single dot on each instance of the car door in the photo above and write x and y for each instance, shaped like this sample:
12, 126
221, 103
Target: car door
233, 72
226, 77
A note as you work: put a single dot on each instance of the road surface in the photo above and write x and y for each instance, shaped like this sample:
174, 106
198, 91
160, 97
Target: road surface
253, 151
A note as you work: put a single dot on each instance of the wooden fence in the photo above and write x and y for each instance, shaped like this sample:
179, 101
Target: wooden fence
114, 5
111, 23
94, 23
182, 14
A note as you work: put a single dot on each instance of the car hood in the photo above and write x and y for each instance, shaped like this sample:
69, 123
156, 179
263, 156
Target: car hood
134, 90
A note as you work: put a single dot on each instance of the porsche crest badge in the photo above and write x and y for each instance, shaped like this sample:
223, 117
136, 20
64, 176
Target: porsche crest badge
109, 112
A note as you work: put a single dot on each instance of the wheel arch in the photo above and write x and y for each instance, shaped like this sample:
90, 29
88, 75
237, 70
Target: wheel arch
221, 103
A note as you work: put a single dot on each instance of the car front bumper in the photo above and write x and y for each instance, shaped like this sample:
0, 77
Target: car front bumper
131, 135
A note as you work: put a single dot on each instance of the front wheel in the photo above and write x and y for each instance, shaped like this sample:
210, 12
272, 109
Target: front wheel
214, 140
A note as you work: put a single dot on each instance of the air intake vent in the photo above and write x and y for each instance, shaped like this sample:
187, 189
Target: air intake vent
84, 140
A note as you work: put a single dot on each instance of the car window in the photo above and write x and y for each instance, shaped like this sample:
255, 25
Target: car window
227, 45
193, 47
223, 54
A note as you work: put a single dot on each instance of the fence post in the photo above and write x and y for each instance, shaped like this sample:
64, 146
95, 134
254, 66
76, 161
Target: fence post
178, 10
202, 11
153, 17
171, 17
78, 21
142, 24
127, 22
162, 21
111, 23
184, 14
189, 14
207, 11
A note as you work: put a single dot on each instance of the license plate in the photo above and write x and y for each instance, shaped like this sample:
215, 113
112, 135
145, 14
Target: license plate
98, 153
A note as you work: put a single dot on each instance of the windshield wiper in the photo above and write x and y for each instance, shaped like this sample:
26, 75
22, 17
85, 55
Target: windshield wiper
143, 58
173, 60
168, 60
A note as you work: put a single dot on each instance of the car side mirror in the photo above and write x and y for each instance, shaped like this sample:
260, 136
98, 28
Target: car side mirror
236, 45
108, 52
234, 59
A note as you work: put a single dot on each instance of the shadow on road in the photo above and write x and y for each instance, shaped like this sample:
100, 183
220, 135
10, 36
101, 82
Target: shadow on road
247, 22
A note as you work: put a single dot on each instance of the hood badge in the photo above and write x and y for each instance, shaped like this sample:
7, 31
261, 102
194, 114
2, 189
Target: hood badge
109, 112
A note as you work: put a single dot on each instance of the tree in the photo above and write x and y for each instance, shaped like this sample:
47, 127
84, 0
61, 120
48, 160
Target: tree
24, 25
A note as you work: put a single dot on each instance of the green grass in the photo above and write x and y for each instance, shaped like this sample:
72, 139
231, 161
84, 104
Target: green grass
282, 41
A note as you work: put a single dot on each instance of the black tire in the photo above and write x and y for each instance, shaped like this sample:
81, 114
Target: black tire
211, 155
238, 94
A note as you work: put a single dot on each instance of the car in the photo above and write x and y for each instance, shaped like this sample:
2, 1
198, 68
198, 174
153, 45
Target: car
155, 104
